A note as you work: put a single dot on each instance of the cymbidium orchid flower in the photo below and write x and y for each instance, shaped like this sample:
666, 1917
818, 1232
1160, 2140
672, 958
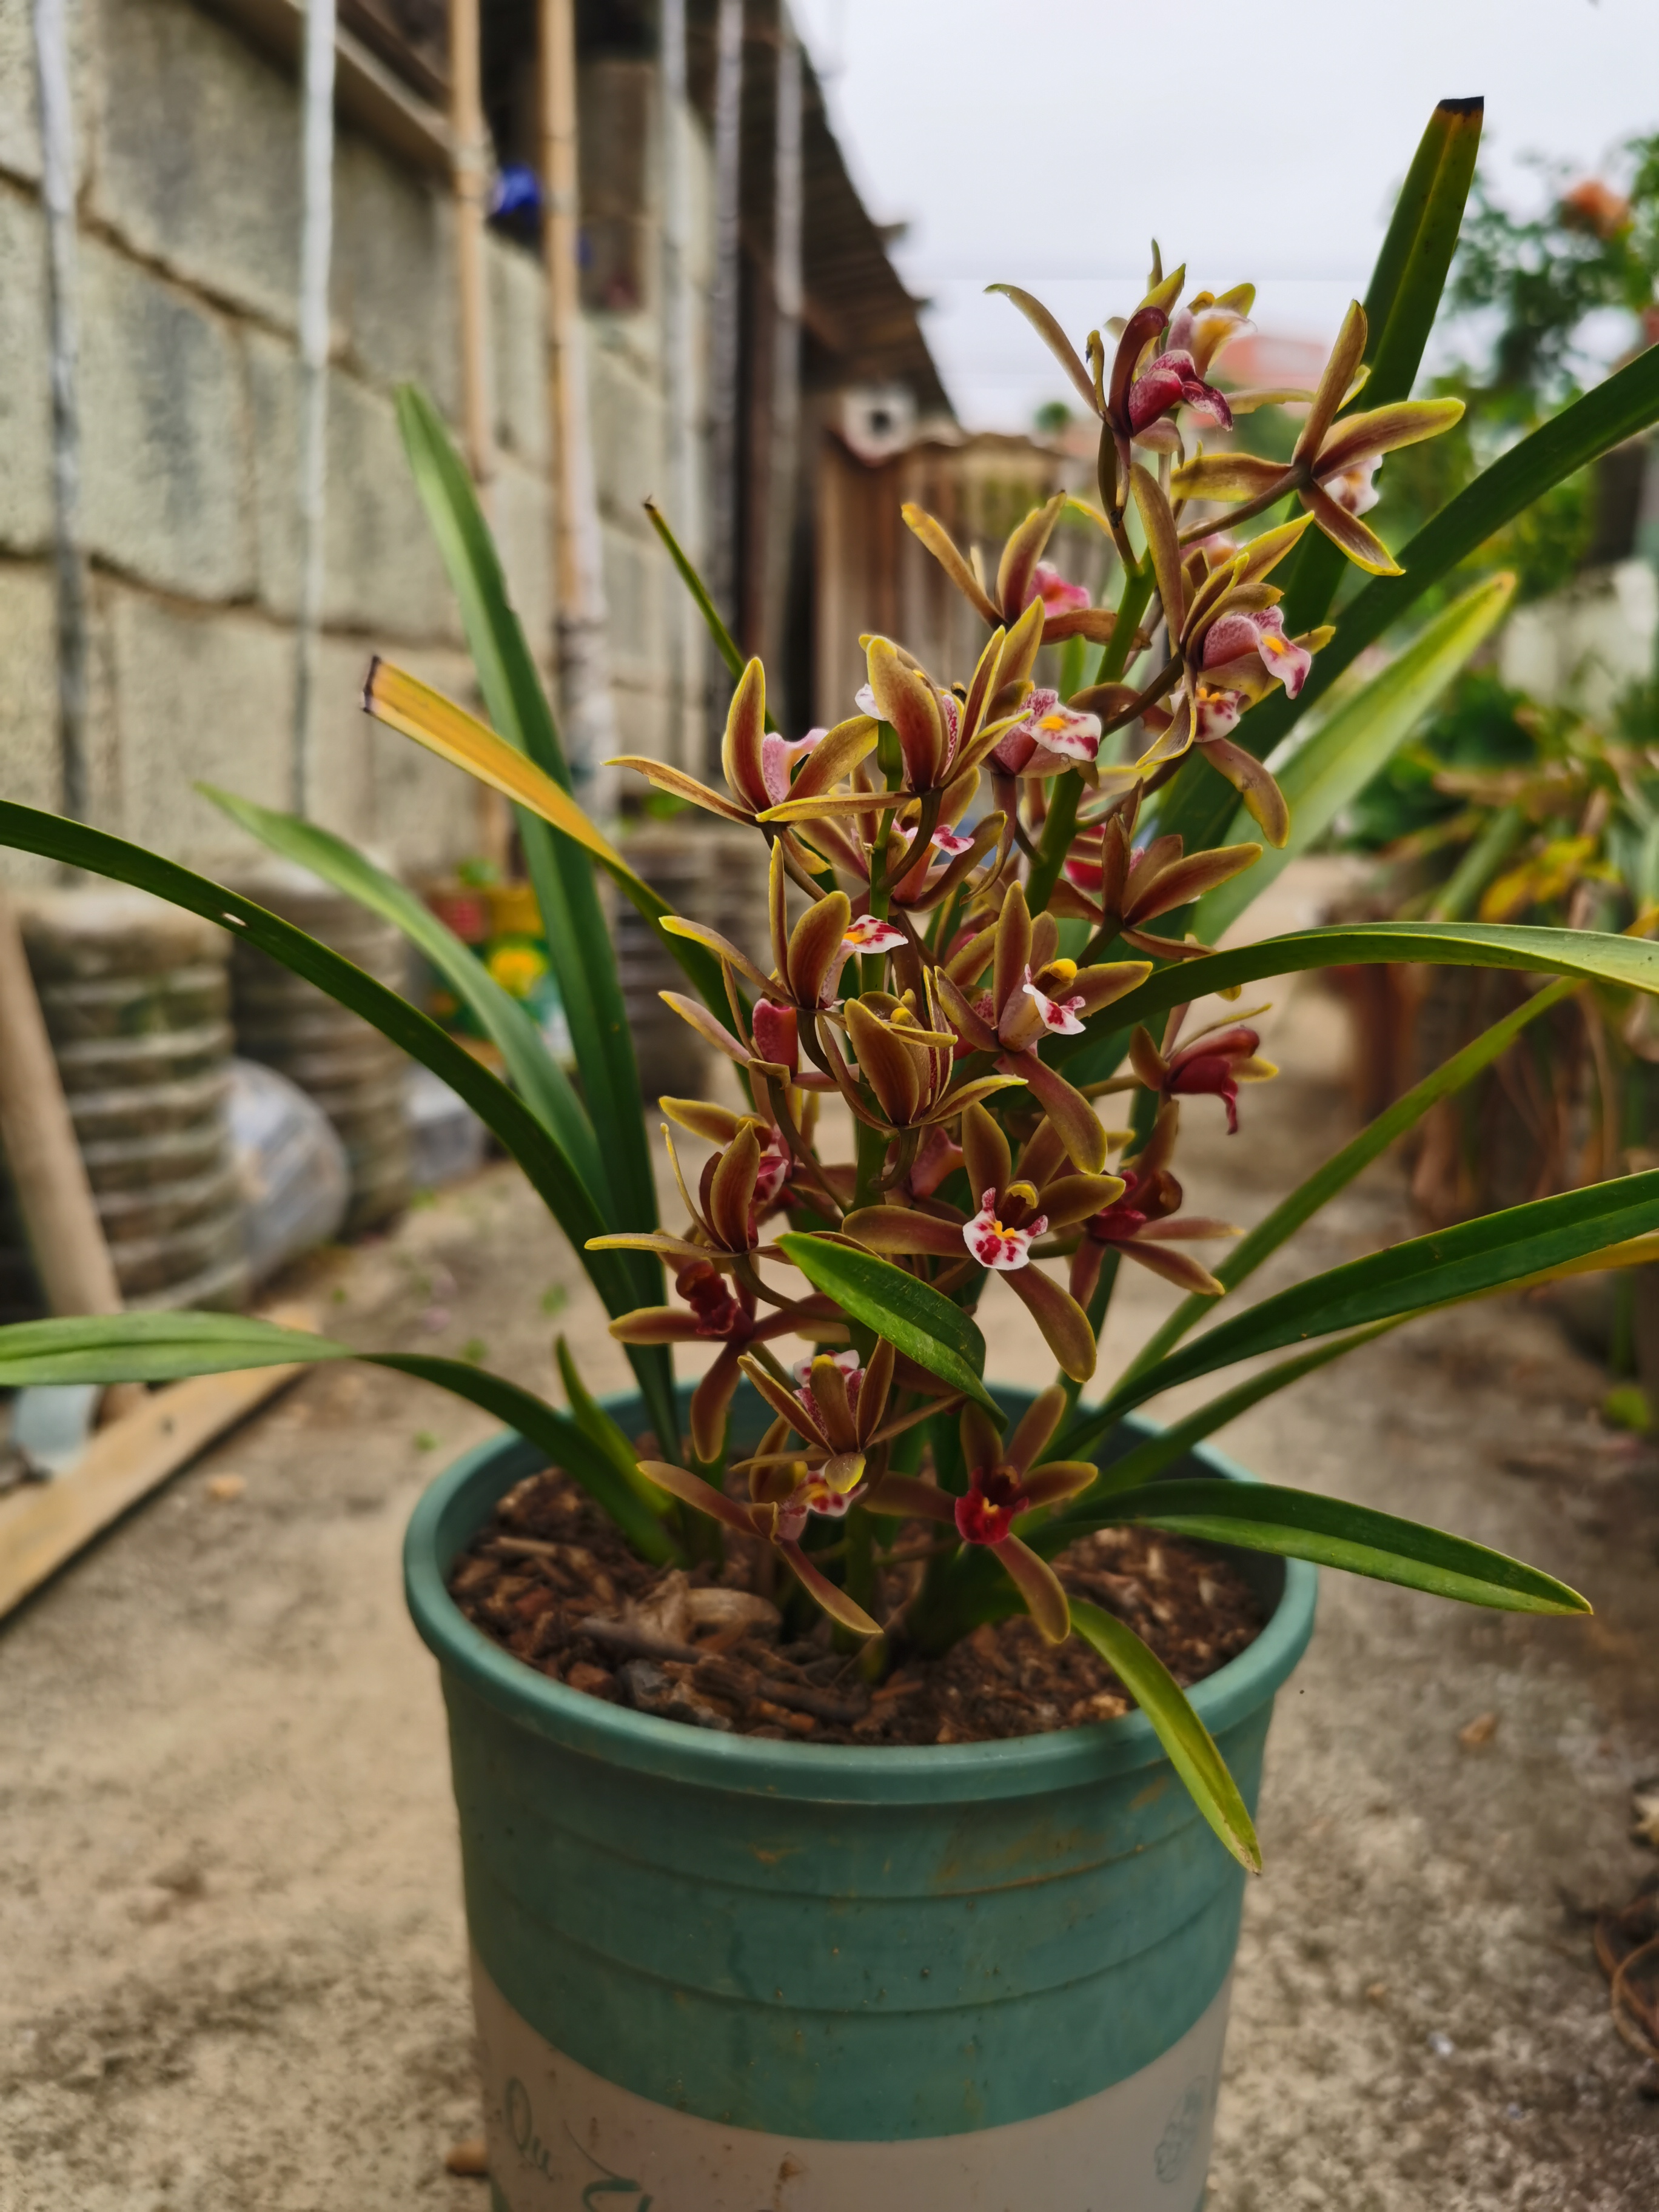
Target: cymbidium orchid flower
1331, 469
1017, 1204
758, 762
1121, 887
1023, 578
1046, 740
1141, 1222
1006, 1480
1033, 993
907, 1055
1211, 1063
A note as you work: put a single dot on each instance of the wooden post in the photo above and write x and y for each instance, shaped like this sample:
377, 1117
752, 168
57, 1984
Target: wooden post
725, 308
687, 742
48, 1175
58, 200
316, 254
783, 469
469, 158
579, 574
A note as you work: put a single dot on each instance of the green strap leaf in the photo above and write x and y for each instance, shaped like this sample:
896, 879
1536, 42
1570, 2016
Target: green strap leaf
1449, 1264
1339, 1170
562, 873
913, 1317
1191, 1747
1627, 403
535, 1074
1165, 1446
74, 845
1298, 1524
1400, 305
1589, 956
165, 1347
1326, 771
607, 1437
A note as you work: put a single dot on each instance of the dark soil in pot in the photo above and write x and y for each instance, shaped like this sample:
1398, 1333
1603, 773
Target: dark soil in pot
552, 1580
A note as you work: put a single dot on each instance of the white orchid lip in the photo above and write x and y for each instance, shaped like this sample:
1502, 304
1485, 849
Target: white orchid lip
950, 842
870, 934
992, 1245
1064, 1017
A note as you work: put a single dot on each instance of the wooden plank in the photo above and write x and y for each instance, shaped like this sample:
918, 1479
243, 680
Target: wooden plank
44, 1524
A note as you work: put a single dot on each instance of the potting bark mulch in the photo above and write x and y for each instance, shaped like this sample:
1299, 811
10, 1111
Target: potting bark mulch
554, 1581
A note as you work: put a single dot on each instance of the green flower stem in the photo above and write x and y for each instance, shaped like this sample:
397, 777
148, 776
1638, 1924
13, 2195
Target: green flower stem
1061, 825
1096, 1309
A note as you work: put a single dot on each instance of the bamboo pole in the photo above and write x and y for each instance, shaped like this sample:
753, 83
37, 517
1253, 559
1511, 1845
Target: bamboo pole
58, 199
679, 384
783, 460
725, 308
469, 154
316, 252
585, 683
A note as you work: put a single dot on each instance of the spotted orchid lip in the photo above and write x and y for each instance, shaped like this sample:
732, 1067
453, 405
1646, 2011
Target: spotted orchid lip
995, 1247
870, 934
951, 842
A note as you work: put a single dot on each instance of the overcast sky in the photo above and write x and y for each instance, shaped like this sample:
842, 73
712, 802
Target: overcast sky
1046, 142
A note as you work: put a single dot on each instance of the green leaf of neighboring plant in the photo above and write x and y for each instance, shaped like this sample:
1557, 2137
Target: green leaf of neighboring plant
1326, 771
562, 873
1339, 1170
1424, 1272
164, 1347
535, 1074
1627, 403
597, 1425
1591, 956
725, 644
1400, 305
914, 1318
1164, 1446
77, 846
1192, 1748
1298, 1524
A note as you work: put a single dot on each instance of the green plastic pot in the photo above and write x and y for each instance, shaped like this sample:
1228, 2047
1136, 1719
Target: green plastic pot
714, 1974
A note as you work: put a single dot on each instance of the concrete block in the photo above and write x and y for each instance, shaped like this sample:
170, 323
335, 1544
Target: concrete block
382, 574
201, 696
25, 393
20, 132
198, 154
518, 331
393, 276
523, 521
633, 590
166, 478
629, 427
424, 813
28, 703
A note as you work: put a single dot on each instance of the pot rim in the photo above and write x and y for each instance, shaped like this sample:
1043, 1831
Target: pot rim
827, 1774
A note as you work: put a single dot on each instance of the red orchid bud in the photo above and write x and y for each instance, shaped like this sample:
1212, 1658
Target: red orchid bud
776, 1036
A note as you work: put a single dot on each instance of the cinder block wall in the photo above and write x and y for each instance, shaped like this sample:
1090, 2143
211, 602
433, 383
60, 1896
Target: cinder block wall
188, 144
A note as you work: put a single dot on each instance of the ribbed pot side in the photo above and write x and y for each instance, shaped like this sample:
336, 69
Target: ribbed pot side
718, 1974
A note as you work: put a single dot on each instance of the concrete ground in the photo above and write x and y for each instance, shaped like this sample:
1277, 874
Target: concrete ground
230, 1907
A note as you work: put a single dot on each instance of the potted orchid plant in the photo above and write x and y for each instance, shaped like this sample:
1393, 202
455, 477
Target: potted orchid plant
754, 1919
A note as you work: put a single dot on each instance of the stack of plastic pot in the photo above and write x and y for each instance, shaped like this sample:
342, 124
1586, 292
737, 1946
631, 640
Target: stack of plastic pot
353, 1074
679, 862
136, 999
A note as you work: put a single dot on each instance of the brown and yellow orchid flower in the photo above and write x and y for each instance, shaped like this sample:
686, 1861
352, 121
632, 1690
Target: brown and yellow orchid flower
761, 767
1331, 469
1211, 1063
907, 1055
1141, 1224
1121, 888
1023, 578
716, 1311
1016, 1207
1035, 994
1006, 1480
